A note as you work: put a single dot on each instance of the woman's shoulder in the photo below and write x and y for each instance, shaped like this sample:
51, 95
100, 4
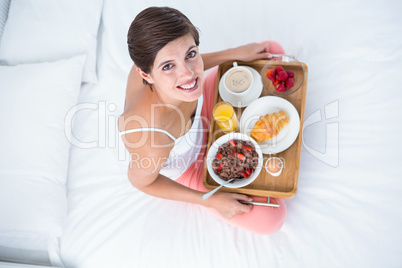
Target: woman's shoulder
135, 101
136, 109
143, 140
133, 118
136, 121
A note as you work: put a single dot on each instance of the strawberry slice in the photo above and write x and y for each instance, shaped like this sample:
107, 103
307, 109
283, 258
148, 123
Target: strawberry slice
232, 142
241, 157
234, 152
248, 171
244, 174
220, 167
248, 148
219, 156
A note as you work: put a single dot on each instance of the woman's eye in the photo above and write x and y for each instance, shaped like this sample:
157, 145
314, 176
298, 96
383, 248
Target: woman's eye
191, 54
167, 67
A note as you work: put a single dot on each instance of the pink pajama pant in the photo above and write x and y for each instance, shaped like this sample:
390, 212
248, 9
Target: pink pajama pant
261, 219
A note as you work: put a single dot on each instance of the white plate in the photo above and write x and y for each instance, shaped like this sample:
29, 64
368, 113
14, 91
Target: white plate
238, 101
267, 105
214, 149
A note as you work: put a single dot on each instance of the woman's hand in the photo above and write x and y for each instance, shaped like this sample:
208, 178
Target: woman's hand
249, 52
253, 51
228, 205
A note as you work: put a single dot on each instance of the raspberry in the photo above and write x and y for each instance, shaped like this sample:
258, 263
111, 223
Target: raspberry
282, 75
271, 75
281, 79
289, 82
290, 73
276, 83
278, 69
281, 88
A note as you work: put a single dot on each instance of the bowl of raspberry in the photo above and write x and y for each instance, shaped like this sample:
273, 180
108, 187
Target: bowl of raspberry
283, 75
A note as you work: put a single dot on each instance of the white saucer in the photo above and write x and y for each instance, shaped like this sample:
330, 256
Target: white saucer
266, 105
238, 101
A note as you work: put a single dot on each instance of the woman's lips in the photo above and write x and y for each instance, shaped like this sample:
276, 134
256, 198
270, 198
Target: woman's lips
189, 87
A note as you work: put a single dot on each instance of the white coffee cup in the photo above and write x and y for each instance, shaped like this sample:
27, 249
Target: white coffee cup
238, 81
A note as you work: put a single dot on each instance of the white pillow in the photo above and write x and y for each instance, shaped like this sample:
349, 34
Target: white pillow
50, 30
34, 100
4, 7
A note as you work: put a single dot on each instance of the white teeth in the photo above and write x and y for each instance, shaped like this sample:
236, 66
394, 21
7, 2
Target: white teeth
188, 86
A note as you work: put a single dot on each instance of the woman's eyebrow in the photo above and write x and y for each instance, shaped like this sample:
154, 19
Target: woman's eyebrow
168, 61
190, 48
163, 63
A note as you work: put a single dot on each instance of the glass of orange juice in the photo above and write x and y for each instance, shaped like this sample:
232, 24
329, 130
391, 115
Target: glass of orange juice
225, 116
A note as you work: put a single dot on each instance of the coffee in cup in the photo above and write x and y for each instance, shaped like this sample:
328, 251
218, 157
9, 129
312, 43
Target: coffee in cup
238, 79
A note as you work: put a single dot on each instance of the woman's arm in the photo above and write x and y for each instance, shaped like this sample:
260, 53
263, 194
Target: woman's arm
227, 204
249, 52
143, 174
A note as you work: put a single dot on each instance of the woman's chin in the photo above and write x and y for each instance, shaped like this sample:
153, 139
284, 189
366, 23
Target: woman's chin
193, 96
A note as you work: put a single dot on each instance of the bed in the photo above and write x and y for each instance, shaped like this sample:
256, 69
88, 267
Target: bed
65, 199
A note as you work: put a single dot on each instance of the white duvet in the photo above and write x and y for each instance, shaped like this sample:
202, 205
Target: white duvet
346, 212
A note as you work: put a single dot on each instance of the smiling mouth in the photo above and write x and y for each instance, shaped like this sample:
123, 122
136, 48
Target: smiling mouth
189, 86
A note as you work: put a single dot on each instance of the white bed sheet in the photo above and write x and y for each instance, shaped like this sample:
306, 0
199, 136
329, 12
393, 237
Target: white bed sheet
346, 212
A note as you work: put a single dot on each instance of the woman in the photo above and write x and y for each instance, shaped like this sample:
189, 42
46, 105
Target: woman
167, 111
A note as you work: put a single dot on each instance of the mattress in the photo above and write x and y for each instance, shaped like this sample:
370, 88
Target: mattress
346, 209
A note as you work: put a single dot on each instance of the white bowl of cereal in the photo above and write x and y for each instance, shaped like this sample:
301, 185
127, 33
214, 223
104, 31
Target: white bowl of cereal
234, 155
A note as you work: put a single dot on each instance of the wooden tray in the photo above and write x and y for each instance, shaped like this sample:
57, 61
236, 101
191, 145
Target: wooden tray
285, 185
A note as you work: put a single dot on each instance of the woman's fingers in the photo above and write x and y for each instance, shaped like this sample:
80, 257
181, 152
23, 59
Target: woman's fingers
242, 197
260, 50
244, 207
265, 46
228, 205
265, 55
263, 50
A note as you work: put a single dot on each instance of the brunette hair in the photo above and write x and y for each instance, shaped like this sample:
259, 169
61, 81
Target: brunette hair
152, 29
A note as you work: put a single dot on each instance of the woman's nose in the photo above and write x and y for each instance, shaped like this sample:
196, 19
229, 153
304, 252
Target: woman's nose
187, 70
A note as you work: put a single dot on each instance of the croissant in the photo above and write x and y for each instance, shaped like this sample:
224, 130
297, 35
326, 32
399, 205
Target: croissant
269, 126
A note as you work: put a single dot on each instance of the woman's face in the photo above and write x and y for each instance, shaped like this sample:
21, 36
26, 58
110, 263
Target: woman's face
178, 70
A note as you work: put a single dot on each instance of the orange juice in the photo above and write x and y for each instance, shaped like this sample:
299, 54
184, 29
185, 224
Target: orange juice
225, 116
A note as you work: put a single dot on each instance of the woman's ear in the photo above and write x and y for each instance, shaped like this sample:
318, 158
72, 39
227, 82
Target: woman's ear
145, 76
